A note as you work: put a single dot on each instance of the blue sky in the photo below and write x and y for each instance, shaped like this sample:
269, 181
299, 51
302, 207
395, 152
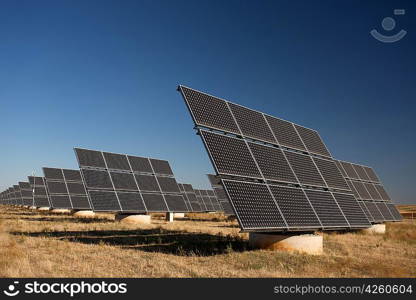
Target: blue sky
103, 75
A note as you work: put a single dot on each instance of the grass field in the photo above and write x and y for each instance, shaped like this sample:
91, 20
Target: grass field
34, 244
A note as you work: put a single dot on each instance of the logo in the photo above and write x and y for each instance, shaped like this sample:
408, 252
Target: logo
11, 291
389, 24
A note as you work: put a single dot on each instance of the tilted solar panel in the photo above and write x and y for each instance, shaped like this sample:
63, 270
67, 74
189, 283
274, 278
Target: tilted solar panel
312, 141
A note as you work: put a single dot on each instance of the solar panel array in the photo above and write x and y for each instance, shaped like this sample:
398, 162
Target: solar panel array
125, 183
66, 189
221, 195
277, 175
369, 191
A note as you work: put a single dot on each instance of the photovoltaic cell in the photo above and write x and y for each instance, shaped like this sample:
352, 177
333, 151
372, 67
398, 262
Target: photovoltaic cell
116, 161
176, 203
312, 141
382, 192
382, 207
90, 158
147, 183
209, 111
161, 166
60, 201
305, 169
366, 211
140, 164
285, 133
97, 179
374, 211
352, 188
352, 210
252, 123
272, 163
340, 168
295, 207
168, 184
362, 191
72, 175
372, 191
80, 202
254, 205
123, 181
326, 208
349, 170
53, 173
55, 187
154, 202
331, 173
361, 172
371, 174
395, 213
76, 188
104, 201
131, 202
230, 155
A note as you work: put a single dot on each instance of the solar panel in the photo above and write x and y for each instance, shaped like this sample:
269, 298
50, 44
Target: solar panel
374, 211
361, 172
327, 209
366, 211
272, 163
371, 174
231, 155
305, 169
252, 123
60, 201
395, 213
382, 192
56, 187
76, 188
72, 175
40, 195
352, 188
254, 205
129, 183
312, 141
80, 202
90, 158
361, 190
53, 173
382, 207
104, 201
340, 168
161, 167
331, 174
349, 170
372, 191
209, 111
351, 210
131, 202
295, 207
285, 133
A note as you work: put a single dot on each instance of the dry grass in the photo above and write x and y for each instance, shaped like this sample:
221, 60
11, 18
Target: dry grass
45, 245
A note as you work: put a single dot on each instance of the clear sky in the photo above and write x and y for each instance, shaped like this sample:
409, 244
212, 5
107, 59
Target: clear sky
103, 75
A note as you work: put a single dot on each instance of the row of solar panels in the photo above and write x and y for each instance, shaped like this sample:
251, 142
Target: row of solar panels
112, 182
278, 175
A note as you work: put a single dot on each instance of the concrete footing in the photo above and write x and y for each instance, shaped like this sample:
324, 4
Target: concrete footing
303, 243
60, 211
84, 214
179, 215
133, 219
44, 208
169, 217
376, 229
32, 207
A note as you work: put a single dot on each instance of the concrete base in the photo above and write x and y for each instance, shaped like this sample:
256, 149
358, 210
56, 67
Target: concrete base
32, 207
376, 229
60, 211
84, 214
169, 217
303, 243
179, 215
133, 219
44, 208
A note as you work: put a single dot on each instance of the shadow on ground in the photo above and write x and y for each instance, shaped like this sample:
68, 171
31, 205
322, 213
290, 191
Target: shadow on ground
153, 240
64, 219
